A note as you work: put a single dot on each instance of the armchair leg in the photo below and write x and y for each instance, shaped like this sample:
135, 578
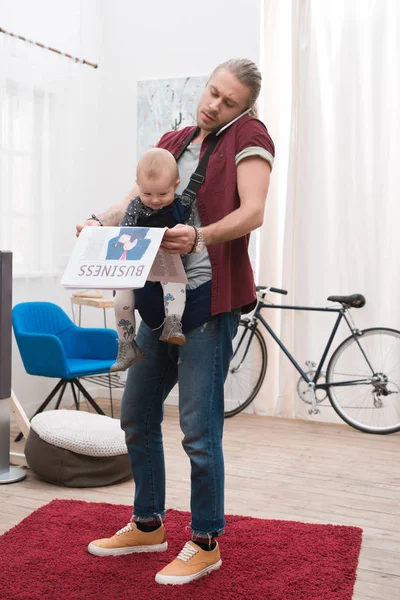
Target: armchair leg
77, 406
60, 396
110, 393
88, 397
62, 384
46, 402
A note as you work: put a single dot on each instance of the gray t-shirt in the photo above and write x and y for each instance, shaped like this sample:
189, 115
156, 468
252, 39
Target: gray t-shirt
198, 266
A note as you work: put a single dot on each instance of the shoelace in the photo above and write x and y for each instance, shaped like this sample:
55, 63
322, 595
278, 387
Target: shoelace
187, 552
122, 352
125, 529
174, 320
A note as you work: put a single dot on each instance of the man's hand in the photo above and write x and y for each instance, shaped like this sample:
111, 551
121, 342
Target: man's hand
88, 223
179, 239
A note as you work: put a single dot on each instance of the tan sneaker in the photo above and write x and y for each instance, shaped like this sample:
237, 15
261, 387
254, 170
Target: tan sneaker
130, 539
191, 563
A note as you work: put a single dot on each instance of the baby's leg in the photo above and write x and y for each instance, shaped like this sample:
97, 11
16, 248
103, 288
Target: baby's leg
128, 351
174, 298
174, 305
124, 309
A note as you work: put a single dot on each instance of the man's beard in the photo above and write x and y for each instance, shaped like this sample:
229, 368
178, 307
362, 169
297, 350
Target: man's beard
210, 127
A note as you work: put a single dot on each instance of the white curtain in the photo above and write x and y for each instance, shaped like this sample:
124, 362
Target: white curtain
332, 105
41, 100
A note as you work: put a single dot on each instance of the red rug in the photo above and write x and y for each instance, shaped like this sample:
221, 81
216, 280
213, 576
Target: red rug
45, 558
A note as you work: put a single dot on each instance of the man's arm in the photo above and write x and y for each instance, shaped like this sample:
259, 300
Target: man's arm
113, 215
253, 175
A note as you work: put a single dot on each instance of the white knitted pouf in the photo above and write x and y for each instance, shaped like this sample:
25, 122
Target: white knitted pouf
77, 449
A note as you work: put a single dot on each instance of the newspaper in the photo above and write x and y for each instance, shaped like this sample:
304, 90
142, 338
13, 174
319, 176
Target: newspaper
121, 258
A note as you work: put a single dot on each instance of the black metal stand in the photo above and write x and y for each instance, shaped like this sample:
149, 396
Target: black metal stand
8, 474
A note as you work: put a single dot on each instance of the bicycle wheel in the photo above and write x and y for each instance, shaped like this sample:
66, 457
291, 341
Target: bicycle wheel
247, 369
372, 407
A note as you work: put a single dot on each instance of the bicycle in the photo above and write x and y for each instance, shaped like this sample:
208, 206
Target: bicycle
363, 372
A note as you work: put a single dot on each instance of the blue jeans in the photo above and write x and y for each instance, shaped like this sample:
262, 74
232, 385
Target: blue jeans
200, 368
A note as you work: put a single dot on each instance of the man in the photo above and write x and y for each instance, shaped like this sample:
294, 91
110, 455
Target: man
230, 204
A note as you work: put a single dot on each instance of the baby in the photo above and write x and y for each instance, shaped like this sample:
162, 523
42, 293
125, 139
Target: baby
157, 205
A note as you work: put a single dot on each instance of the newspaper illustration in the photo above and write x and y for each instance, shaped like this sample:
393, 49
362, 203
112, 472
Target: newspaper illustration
121, 258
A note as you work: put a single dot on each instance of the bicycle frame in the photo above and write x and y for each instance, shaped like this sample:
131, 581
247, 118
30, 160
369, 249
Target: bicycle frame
311, 382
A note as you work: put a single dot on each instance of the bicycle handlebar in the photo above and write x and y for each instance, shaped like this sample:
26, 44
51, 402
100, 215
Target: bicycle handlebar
265, 289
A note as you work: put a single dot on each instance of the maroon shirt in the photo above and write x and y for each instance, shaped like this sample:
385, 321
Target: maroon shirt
232, 276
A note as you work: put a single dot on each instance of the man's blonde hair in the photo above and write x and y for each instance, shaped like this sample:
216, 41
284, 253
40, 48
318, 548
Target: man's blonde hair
248, 73
156, 161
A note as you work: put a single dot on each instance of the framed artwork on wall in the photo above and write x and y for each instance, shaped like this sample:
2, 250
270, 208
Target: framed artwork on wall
164, 105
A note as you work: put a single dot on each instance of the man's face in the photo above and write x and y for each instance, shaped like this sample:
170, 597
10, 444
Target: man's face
159, 192
224, 99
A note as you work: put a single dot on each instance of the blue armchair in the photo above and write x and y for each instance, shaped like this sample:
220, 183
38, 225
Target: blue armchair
51, 345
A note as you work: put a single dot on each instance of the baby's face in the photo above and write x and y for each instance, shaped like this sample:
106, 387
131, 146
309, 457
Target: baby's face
157, 193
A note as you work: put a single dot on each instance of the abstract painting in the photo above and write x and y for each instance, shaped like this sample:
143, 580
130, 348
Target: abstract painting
164, 105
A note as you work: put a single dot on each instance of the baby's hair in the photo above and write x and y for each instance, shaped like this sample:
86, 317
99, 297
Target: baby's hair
156, 161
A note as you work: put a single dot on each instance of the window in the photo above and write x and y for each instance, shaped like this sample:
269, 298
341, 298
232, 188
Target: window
25, 173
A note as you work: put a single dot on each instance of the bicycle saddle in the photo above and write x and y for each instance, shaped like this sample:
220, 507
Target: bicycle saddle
353, 301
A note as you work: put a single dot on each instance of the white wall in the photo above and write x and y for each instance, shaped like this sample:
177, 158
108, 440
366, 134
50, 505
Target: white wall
130, 41
154, 41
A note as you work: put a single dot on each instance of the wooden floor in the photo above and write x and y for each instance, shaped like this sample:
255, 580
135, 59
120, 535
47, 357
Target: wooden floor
277, 469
